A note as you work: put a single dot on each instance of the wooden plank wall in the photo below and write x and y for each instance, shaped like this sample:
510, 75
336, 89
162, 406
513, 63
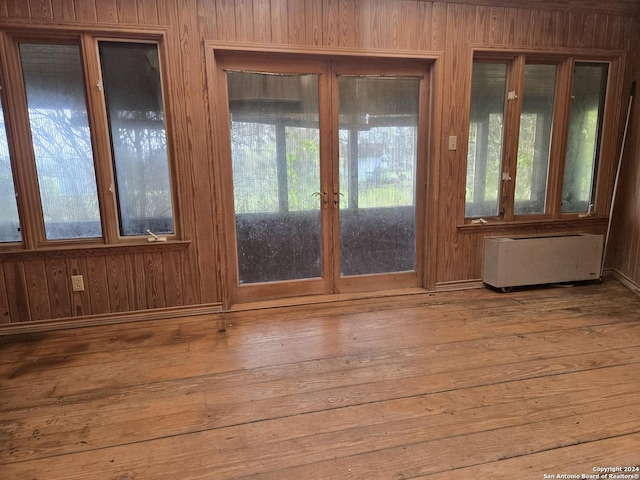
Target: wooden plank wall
625, 240
38, 288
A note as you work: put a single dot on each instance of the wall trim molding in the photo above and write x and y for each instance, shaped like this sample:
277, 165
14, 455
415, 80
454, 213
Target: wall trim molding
110, 319
459, 285
626, 281
321, 51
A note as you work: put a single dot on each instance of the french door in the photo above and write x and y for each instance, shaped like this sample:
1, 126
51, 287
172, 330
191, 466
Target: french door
322, 174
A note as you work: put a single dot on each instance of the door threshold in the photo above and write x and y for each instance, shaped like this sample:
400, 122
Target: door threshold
325, 298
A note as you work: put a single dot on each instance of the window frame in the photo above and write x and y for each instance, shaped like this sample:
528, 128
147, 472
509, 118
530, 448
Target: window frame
21, 145
515, 59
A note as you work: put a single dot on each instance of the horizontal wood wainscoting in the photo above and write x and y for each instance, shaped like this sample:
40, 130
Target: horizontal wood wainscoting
35, 284
469, 385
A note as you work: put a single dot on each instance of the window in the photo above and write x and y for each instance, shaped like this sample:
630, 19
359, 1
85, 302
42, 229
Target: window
534, 140
138, 138
9, 223
484, 157
581, 164
61, 140
516, 118
91, 179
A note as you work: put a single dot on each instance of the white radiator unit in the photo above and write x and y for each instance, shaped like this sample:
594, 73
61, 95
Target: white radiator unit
535, 260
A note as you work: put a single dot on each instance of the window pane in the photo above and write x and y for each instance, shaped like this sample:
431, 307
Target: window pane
485, 139
138, 138
583, 141
534, 144
378, 157
275, 150
61, 140
9, 222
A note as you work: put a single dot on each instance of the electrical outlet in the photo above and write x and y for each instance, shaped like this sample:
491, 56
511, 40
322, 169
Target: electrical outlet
77, 283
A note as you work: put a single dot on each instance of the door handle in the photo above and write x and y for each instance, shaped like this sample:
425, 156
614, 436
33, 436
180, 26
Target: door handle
324, 195
336, 196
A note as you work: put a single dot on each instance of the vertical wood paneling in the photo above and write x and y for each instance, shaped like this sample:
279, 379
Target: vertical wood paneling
296, 22
314, 34
413, 25
489, 25
600, 31
483, 24
614, 32
147, 12
575, 29
136, 281
349, 28
80, 301
18, 9
5, 313
226, 21
543, 29
173, 283
631, 27
37, 289
523, 32
388, 18
202, 264
375, 35
154, 280
624, 251
97, 285
562, 29
17, 292
262, 21
438, 26
461, 22
511, 25
86, 10
59, 284
38, 292
207, 18
244, 21
107, 11
117, 283
496, 35
127, 11
330, 22
588, 30
63, 10
41, 9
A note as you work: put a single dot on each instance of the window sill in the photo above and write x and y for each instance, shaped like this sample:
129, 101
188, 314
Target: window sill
68, 251
524, 225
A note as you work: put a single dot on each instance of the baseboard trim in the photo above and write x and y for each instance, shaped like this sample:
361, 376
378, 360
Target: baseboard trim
626, 281
110, 319
459, 285
214, 308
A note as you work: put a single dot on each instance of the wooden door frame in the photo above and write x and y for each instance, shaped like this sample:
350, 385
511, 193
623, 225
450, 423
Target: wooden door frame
220, 151
401, 67
234, 291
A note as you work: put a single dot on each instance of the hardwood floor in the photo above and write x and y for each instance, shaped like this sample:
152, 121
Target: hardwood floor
466, 385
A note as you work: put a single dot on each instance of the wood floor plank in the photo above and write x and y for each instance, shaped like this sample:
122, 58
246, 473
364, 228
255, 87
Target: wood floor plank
524, 355
351, 452
586, 459
286, 342
444, 385
99, 424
